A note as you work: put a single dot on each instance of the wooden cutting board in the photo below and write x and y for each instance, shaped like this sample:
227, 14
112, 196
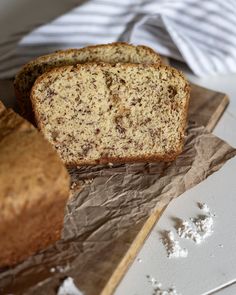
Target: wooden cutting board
206, 107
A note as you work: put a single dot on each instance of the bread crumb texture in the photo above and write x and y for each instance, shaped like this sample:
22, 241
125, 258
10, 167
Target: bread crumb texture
105, 113
118, 52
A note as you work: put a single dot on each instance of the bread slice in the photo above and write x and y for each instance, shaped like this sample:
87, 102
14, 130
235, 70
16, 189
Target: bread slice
34, 187
110, 53
101, 113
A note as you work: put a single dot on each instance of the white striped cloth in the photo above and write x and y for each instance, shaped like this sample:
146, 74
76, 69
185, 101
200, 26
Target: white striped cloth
201, 33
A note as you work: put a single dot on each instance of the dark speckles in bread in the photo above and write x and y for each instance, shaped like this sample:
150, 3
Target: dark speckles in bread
126, 112
110, 53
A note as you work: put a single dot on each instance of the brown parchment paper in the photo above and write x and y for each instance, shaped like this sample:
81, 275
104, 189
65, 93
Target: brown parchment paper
107, 211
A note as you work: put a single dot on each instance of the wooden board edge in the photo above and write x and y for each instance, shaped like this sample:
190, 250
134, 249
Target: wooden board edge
217, 114
132, 252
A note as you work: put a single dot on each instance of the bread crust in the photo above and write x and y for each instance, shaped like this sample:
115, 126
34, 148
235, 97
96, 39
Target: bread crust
121, 160
33, 181
48, 57
157, 157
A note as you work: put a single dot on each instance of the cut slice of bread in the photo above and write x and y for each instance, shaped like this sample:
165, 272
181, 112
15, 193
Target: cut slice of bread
101, 113
118, 52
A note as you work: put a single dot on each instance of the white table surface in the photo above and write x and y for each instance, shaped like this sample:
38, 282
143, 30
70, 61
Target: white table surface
209, 267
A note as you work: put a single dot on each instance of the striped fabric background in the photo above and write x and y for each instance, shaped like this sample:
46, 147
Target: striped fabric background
201, 33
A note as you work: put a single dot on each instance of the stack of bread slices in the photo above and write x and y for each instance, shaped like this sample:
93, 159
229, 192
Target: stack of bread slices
106, 103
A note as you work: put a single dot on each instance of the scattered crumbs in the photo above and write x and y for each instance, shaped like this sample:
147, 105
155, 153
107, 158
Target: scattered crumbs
153, 281
63, 268
170, 291
68, 288
52, 269
157, 288
186, 231
204, 225
73, 185
204, 207
196, 229
199, 228
139, 260
88, 181
60, 268
173, 248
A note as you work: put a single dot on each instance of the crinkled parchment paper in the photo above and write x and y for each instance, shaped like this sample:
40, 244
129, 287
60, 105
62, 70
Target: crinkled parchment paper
106, 211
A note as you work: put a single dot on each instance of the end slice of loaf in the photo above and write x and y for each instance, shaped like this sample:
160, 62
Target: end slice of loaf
100, 113
118, 52
33, 192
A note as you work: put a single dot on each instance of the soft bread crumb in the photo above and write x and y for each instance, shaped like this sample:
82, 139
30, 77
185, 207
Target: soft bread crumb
110, 53
109, 113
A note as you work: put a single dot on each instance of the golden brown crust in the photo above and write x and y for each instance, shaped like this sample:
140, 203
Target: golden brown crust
33, 181
167, 157
31, 234
152, 158
185, 118
48, 57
